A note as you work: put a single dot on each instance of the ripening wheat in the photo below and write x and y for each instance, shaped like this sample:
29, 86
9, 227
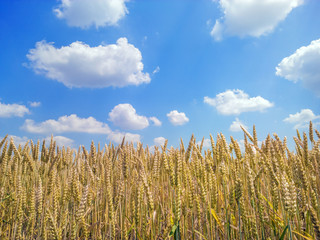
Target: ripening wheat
127, 192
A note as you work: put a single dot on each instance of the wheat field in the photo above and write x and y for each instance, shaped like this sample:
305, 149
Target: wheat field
130, 192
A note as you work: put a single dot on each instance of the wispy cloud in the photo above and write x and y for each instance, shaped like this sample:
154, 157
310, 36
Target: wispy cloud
35, 104
156, 70
156, 121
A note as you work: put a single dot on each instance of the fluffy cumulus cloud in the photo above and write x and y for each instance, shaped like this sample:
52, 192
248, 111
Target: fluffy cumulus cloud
61, 141
177, 118
125, 117
304, 66
156, 121
236, 126
13, 110
301, 119
118, 136
86, 13
79, 65
159, 141
251, 17
71, 123
235, 102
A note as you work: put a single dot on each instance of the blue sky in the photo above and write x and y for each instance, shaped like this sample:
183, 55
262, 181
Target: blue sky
151, 70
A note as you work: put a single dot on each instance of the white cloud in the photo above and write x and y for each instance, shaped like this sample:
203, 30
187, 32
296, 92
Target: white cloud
206, 143
13, 110
125, 117
177, 118
156, 121
75, 124
304, 66
18, 140
301, 119
235, 126
79, 65
61, 141
85, 13
234, 102
159, 141
35, 104
71, 123
251, 17
156, 70
217, 31
118, 136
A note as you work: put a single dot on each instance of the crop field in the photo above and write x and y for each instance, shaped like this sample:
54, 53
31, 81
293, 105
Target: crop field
130, 192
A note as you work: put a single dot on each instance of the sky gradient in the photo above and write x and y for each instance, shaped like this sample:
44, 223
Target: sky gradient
151, 70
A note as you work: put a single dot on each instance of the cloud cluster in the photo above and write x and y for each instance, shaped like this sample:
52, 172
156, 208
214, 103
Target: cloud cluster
79, 65
71, 123
60, 140
304, 66
125, 117
251, 17
13, 110
235, 102
301, 119
236, 126
177, 118
75, 124
86, 13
